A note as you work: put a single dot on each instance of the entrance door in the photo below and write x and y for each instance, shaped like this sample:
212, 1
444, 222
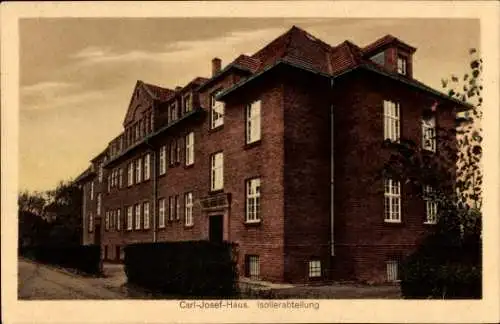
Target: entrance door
215, 228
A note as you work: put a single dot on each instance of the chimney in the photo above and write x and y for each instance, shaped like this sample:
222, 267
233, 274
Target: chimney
216, 65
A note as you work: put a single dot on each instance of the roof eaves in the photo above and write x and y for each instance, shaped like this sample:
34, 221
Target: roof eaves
222, 72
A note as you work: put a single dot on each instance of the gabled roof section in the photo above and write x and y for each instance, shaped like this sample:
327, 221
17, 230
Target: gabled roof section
158, 93
84, 175
243, 63
385, 41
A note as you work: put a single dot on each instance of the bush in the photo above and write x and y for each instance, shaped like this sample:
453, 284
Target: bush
85, 258
443, 269
191, 268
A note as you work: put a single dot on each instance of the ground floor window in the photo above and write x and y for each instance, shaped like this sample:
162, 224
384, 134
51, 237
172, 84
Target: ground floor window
314, 268
122, 253
105, 252
392, 271
252, 266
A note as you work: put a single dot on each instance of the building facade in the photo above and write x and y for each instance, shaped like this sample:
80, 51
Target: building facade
278, 153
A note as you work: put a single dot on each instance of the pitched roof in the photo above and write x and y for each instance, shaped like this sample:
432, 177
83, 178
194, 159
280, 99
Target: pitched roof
384, 41
85, 174
156, 92
251, 63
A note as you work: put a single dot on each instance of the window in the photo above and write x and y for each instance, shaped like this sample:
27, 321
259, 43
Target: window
130, 175
109, 182
430, 205
92, 190
91, 222
314, 268
253, 122
146, 215
137, 131
402, 65
118, 219
188, 209
122, 253
172, 112
99, 204
106, 221
189, 155
172, 151
171, 206
217, 171
392, 195
252, 266
429, 134
138, 170
161, 208
112, 219
120, 178
391, 121
188, 103
147, 172
253, 201
130, 219
178, 150
392, 271
163, 162
137, 216
177, 207
152, 122
216, 111
100, 173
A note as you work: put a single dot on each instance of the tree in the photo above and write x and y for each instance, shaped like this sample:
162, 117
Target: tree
448, 262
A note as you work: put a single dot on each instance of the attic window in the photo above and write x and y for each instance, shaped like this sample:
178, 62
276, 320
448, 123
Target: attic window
402, 65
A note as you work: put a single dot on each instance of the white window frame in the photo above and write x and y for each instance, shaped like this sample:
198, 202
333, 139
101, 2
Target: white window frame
402, 65
147, 168
189, 144
130, 174
161, 213
100, 173
253, 263
171, 208
120, 178
91, 222
118, 219
216, 111
314, 269
392, 267
172, 112
429, 134
110, 181
217, 171
177, 207
392, 201
138, 170
188, 209
106, 221
392, 121
430, 206
163, 160
92, 190
130, 218
188, 102
137, 209
99, 204
253, 210
253, 122
178, 145
145, 208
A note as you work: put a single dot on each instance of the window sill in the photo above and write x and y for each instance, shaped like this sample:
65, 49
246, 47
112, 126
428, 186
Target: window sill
392, 222
189, 166
216, 191
253, 223
162, 175
252, 144
161, 227
430, 223
215, 129
188, 226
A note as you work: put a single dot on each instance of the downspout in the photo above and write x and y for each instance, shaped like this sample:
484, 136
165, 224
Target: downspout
332, 169
155, 191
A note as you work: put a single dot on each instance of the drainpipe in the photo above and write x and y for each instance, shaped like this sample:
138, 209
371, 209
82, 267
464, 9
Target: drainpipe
155, 191
332, 162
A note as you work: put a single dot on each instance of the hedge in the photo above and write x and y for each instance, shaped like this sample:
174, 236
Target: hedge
189, 268
85, 258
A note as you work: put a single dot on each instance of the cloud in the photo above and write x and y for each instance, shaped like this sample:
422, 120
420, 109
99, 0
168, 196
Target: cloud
56, 99
46, 86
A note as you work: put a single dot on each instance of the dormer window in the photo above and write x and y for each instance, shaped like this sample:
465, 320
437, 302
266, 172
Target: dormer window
402, 63
188, 104
172, 112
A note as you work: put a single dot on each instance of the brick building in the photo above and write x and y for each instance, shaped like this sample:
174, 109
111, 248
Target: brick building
277, 152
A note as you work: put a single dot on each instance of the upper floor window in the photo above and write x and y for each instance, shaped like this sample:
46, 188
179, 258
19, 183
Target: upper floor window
188, 103
151, 122
130, 174
253, 200
138, 216
130, 218
163, 160
171, 208
91, 190
392, 201
216, 111
391, 121
188, 209
161, 212
100, 173
138, 170
430, 205
402, 65
99, 203
189, 154
91, 222
217, 171
253, 122
172, 112
147, 168
118, 219
106, 221
429, 134
146, 215
120, 178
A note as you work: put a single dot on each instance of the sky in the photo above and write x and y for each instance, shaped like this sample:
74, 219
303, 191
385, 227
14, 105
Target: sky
77, 74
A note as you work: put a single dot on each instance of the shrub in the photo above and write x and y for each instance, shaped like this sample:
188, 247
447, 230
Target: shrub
85, 258
191, 268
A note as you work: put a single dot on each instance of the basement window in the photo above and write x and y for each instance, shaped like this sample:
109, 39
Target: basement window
392, 271
314, 268
252, 266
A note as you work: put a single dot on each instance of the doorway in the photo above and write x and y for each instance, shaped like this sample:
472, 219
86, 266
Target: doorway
215, 228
